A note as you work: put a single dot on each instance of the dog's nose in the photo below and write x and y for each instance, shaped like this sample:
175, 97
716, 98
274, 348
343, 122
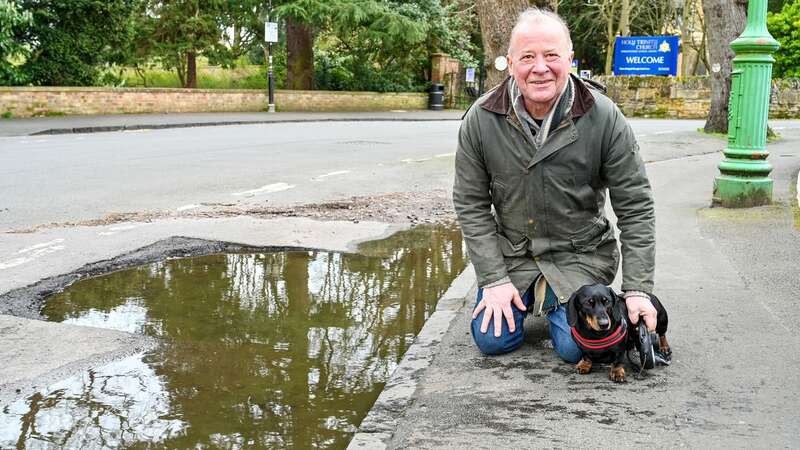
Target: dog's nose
603, 322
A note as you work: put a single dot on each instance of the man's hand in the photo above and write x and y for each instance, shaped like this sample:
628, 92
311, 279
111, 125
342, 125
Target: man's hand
497, 302
639, 305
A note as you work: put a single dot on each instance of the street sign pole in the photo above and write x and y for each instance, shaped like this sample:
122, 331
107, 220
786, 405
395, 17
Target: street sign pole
743, 181
270, 79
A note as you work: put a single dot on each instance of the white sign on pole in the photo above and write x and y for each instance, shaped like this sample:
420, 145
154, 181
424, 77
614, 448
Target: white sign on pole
470, 75
270, 31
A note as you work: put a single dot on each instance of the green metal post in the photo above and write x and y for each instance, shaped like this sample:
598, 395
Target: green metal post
743, 181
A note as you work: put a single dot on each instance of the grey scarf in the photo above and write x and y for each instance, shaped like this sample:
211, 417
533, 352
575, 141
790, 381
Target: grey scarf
553, 118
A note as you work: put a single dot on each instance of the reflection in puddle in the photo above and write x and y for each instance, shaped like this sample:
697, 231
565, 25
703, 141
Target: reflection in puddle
117, 404
270, 350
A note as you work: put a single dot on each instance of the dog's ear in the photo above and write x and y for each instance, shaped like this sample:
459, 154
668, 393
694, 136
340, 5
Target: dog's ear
616, 303
572, 309
618, 309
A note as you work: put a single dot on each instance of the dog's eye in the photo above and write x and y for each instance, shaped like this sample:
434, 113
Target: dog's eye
591, 302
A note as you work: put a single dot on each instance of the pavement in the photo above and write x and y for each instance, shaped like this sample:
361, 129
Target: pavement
729, 280
120, 122
727, 277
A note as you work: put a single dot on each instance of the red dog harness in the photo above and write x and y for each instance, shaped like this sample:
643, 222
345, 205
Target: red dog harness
601, 344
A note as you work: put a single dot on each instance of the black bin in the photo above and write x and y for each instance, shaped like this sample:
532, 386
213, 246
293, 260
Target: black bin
436, 97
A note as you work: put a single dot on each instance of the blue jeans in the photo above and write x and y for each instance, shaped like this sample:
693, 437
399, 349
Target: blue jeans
560, 333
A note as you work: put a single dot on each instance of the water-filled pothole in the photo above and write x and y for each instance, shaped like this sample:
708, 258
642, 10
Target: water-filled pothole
262, 350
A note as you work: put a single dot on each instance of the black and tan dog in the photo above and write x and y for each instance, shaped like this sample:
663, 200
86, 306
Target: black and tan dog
600, 326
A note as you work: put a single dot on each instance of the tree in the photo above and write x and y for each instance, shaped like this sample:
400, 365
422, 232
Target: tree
11, 50
301, 17
725, 21
693, 37
614, 15
178, 31
497, 18
785, 28
299, 55
552, 5
390, 47
71, 40
369, 44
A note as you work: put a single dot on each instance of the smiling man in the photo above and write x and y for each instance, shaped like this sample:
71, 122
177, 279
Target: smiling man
536, 157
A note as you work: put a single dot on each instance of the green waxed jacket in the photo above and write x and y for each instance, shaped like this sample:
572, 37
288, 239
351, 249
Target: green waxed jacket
525, 212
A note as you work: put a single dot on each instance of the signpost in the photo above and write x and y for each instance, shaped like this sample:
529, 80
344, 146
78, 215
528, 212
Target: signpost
470, 75
646, 55
270, 36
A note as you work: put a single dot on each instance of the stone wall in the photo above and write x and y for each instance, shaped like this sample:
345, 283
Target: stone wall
689, 98
42, 101
661, 97
349, 101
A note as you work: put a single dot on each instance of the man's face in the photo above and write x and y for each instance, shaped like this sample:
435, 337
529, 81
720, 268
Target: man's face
539, 61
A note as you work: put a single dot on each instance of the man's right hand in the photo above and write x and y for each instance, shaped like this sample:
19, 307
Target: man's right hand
497, 302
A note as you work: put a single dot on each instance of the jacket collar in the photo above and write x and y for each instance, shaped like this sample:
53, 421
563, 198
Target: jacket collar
499, 101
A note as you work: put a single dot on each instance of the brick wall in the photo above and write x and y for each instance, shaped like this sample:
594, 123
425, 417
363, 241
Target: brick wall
40, 101
688, 98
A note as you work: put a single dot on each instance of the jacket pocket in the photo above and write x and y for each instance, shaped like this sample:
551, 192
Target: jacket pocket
509, 200
596, 234
510, 249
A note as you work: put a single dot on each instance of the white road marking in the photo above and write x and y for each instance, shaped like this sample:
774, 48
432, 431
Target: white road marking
664, 132
32, 254
321, 177
409, 160
42, 245
445, 155
115, 230
187, 207
275, 187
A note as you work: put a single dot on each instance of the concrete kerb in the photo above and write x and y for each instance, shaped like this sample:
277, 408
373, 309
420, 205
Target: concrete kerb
111, 128
379, 425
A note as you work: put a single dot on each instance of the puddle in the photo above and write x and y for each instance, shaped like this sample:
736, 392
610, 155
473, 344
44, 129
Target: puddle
266, 350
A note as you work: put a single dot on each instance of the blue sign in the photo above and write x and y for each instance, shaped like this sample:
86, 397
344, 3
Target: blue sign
646, 55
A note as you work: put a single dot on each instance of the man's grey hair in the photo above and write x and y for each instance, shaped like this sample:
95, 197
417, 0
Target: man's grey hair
534, 14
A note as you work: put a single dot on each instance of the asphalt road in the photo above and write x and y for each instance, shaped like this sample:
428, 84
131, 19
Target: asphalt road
730, 275
67, 178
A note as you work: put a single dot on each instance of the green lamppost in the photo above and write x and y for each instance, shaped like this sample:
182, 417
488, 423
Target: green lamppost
743, 180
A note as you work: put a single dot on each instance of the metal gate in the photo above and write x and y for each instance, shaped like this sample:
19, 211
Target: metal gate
458, 92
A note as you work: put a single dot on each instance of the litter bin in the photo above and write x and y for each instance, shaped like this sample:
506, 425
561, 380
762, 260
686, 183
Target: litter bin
436, 97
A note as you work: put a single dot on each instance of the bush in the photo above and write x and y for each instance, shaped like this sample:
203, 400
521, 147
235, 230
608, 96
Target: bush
785, 28
347, 73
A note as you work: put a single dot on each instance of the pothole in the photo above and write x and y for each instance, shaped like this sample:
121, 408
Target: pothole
285, 349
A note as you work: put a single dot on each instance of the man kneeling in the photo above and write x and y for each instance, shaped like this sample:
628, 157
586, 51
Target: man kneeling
536, 156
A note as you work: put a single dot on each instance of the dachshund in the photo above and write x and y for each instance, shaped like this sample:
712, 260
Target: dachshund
600, 326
